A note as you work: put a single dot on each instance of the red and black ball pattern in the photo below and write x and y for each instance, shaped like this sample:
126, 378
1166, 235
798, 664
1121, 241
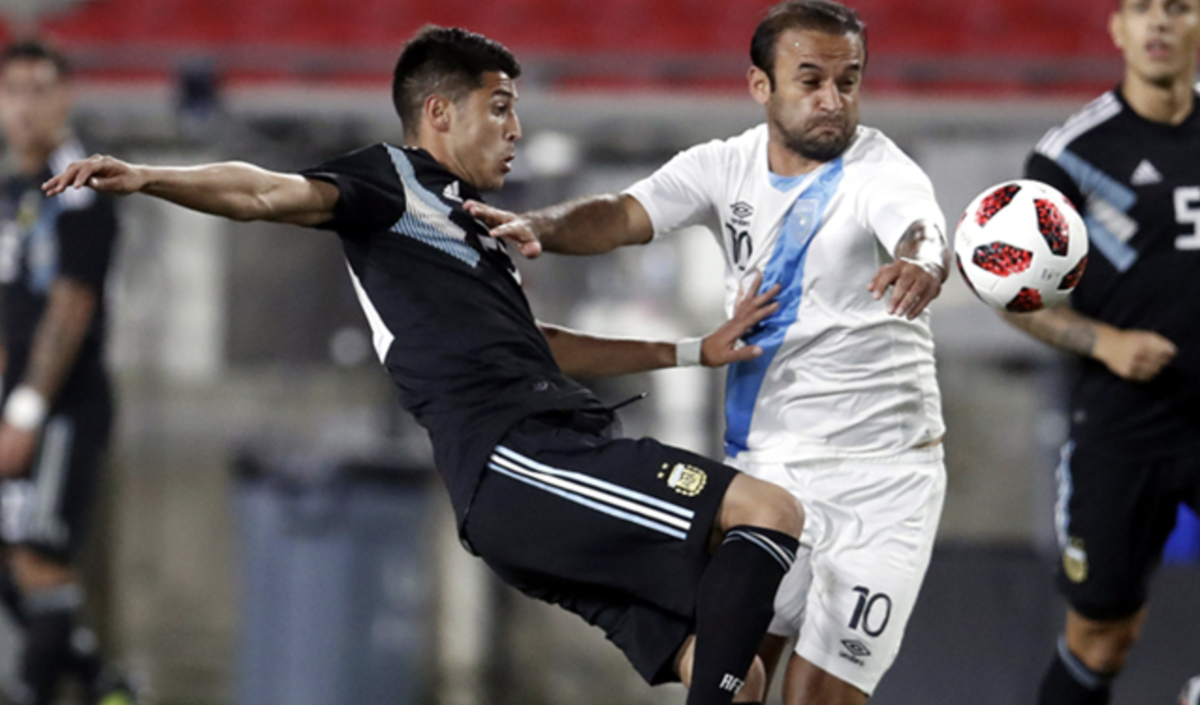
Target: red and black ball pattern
1052, 226
1025, 301
1071, 280
995, 201
1001, 259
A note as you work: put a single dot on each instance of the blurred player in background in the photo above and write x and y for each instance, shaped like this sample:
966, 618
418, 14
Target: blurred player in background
843, 409
1130, 162
57, 409
675, 556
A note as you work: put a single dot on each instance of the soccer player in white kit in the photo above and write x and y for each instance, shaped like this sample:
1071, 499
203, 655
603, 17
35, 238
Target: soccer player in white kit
843, 407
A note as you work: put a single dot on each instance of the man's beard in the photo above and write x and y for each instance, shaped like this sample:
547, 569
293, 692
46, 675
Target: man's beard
821, 148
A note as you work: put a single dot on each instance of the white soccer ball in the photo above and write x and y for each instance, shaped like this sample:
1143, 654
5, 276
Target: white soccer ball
1021, 246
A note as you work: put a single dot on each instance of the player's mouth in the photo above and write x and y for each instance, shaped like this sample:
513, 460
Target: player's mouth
1159, 49
506, 164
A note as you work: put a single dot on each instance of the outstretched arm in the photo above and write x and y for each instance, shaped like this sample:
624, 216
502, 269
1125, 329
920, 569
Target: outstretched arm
1134, 355
584, 226
583, 355
235, 190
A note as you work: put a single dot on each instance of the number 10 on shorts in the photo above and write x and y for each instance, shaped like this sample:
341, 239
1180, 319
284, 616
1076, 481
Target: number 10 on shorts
872, 612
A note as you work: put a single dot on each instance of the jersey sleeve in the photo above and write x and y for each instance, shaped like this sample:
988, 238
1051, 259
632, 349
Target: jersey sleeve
87, 230
680, 193
1039, 167
370, 193
897, 198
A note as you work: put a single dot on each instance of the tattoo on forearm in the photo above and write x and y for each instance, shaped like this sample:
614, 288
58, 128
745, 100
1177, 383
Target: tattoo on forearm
1059, 327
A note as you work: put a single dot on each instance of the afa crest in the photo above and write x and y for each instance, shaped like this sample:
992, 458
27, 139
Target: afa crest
687, 480
1075, 562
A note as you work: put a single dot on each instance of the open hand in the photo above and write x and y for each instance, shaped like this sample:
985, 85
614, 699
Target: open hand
507, 226
100, 172
724, 345
913, 286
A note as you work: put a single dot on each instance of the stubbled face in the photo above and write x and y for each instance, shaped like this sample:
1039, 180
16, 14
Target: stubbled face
1160, 39
485, 129
34, 104
813, 106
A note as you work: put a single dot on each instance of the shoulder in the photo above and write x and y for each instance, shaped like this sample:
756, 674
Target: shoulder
1093, 115
873, 157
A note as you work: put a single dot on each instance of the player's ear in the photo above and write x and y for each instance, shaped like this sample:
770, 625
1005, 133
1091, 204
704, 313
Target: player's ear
437, 112
760, 84
1116, 28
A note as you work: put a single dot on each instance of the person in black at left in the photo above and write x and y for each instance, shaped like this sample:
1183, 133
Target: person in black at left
676, 557
57, 408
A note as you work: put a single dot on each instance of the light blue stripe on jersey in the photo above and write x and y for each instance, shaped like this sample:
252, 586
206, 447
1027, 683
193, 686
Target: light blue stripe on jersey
786, 267
1066, 487
1094, 183
429, 220
42, 246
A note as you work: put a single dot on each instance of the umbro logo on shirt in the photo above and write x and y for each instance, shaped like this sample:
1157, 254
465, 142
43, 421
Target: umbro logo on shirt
451, 192
1145, 174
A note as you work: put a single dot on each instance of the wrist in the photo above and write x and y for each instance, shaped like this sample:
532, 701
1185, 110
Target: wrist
688, 352
26, 408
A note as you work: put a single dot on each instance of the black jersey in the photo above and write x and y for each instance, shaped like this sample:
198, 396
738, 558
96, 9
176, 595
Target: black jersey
444, 301
42, 239
1137, 183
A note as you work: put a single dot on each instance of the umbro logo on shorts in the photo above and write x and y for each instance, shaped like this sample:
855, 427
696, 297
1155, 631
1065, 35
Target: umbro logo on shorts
855, 652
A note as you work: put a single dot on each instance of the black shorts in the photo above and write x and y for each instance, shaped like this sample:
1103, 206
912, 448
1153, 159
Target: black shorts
1114, 514
613, 529
48, 510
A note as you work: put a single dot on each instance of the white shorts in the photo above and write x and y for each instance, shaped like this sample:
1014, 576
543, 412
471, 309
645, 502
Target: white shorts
869, 532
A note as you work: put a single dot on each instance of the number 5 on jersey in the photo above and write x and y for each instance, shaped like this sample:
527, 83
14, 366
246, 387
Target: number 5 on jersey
1187, 211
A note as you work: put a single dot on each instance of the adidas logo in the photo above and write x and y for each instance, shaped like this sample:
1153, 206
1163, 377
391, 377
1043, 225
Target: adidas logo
1145, 174
450, 193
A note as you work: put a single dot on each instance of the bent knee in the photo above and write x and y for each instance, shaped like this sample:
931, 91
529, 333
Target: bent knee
1103, 646
754, 502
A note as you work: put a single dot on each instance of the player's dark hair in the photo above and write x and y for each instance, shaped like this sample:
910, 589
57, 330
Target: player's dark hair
36, 50
446, 61
819, 15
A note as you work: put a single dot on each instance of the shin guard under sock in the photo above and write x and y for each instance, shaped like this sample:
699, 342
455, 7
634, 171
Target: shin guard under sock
734, 608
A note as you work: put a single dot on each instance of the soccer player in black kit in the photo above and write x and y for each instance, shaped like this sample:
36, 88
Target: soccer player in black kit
676, 557
1130, 162
57, 410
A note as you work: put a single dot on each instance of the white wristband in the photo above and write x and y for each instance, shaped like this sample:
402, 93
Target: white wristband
25, 409
687, 352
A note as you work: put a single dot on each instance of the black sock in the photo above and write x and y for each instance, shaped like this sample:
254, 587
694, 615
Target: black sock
734, 609
86, 662
50, 619
1069, 682
10, 597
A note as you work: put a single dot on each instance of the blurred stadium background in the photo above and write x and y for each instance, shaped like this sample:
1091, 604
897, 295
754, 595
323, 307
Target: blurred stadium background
272, 531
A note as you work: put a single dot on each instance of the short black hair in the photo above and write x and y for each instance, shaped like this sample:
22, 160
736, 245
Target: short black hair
825, 16
448, 61
36, 50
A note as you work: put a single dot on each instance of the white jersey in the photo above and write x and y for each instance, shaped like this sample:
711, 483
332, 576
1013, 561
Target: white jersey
839, 375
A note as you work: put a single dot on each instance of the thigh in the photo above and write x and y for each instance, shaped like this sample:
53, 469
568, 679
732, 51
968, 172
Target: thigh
1113, 516
871, 547
48, 511
567, 516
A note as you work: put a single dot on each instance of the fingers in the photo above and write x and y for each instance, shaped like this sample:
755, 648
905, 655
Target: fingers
520, 236
489, 215
913, 287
